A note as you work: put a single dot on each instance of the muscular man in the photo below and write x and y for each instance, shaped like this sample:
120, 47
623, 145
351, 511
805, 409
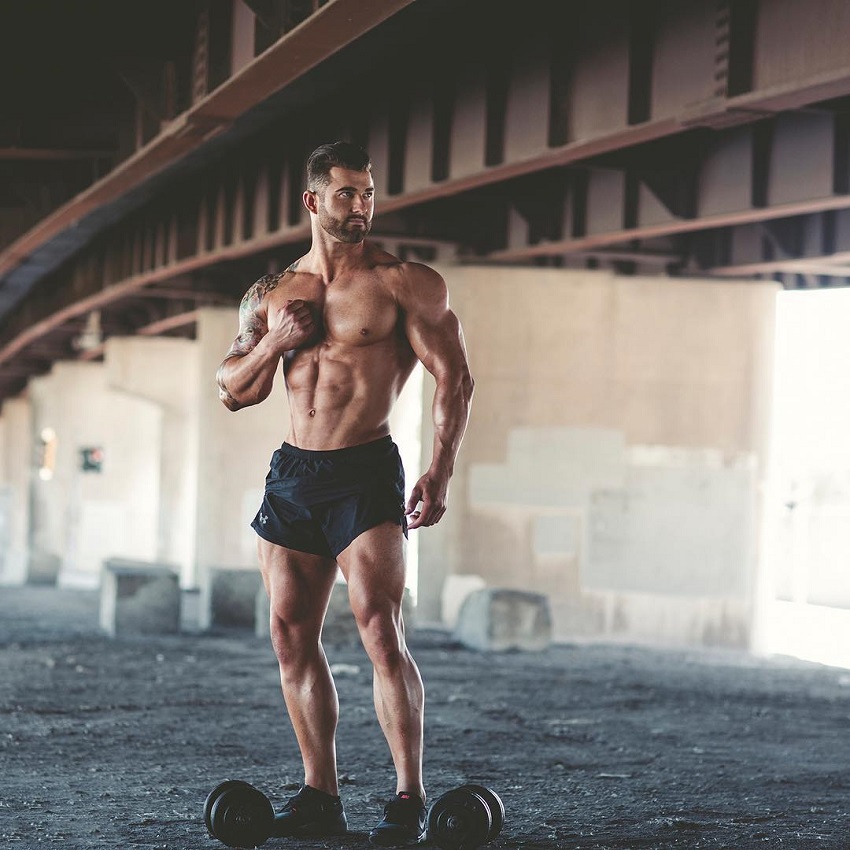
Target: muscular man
349, 321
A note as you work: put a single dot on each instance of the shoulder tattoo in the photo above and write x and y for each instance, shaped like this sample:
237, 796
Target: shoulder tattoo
254, 296
250, 326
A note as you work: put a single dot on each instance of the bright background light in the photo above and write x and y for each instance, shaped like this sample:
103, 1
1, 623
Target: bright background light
805, 599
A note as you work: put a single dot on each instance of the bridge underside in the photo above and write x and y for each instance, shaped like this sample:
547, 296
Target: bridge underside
151, 164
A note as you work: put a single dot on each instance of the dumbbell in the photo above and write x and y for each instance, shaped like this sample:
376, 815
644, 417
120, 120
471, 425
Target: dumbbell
465, 818
238, 815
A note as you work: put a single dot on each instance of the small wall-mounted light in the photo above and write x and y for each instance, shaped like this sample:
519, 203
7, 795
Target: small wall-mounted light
47, 453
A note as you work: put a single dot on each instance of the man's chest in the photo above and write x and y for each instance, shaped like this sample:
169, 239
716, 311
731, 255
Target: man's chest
354, 311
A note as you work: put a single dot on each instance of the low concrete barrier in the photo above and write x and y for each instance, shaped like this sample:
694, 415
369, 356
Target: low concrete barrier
139, 597
232, 597
500, 619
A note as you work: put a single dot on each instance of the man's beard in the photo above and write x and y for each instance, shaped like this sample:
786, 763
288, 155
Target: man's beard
342, 229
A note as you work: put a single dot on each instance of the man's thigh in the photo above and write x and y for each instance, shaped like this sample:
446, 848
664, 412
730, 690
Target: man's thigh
374, 567
299, 584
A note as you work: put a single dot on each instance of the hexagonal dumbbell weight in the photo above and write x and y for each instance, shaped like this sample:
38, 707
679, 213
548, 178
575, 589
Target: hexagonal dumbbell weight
465, 818
238, 815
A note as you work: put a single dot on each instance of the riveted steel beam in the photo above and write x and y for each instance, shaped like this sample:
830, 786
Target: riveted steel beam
325, 31
707, 137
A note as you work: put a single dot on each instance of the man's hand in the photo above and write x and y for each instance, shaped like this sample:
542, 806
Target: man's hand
293, 327
427, 502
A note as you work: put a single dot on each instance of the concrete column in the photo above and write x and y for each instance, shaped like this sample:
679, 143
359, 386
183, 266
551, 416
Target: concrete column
165, 373
16, 461
80, 517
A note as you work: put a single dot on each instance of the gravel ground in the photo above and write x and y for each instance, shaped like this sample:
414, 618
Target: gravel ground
116, 743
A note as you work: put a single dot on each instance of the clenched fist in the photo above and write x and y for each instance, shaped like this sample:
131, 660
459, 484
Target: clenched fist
294, 326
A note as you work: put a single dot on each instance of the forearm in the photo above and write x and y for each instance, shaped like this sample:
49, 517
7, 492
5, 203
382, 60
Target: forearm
452, 402
247, 379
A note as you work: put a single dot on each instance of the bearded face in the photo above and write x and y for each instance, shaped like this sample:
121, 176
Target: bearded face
345, 205
351, 227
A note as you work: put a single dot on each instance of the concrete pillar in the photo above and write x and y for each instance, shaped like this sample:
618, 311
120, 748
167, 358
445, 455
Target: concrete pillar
16, 461
165, 372
81, 517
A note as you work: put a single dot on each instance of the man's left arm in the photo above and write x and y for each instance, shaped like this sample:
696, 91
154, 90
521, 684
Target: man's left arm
436, 337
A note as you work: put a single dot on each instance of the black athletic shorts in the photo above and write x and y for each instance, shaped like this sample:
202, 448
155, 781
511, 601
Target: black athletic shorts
319, 501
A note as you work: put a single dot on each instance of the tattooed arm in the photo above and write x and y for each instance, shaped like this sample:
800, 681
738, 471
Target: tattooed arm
247, 373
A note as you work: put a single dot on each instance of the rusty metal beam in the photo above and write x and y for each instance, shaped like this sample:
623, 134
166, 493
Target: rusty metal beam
589, 133
169, 323
21, 154
326, 31
832, 265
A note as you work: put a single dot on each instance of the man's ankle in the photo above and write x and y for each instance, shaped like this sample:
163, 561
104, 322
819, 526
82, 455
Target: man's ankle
330, 790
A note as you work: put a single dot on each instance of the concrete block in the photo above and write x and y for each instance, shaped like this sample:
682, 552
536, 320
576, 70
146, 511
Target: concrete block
191, 622
233, 597
138, 597
43, 568
499, 619
455, 590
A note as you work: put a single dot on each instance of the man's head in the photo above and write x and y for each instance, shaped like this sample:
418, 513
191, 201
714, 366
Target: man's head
340, 192
340, 154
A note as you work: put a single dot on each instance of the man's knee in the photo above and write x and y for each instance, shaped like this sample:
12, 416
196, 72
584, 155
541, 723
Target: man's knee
382, 634
293, 642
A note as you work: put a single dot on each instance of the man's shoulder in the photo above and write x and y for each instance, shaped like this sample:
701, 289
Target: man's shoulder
268, 285
400, 272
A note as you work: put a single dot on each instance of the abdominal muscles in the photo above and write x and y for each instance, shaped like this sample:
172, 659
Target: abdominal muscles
341, 395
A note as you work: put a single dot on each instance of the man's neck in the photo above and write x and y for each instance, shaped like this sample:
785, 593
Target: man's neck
330, 258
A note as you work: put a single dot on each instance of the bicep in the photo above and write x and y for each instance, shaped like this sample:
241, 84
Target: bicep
434, 331
252, 317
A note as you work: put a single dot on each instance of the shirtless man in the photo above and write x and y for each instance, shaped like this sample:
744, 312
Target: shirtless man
349, 321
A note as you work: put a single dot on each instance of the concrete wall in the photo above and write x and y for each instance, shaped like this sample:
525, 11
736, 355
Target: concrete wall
615, 451
16, 451
613, 461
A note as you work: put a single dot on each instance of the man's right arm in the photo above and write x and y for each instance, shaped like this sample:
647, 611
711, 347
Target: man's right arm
246, 375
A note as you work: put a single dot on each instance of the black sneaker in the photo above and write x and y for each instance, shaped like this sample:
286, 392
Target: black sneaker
310, 812
403, 823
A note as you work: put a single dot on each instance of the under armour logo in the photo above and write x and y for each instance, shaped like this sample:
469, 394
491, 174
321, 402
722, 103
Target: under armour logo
263, 519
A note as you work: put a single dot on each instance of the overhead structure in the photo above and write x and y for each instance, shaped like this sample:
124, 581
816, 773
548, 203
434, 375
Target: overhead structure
151, 158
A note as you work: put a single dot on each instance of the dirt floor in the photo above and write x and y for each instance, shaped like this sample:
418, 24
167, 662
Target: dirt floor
116, 743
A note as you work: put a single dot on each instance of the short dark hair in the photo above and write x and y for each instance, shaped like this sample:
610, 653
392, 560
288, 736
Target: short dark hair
340, 154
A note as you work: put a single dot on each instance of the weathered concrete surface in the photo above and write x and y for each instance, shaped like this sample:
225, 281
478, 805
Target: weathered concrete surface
108, 743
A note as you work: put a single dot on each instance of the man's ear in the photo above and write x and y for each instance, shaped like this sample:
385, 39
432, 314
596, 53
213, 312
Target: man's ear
311, 201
